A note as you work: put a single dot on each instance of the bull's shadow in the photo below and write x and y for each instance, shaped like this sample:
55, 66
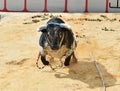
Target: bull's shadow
87, 73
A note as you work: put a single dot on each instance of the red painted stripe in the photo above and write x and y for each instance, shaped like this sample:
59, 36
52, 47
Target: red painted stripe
107, 3
25, 6
5, 6
86, 6
66, 6
45, 6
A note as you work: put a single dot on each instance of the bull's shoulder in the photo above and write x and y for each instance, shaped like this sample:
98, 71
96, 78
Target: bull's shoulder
42, 41
69, 39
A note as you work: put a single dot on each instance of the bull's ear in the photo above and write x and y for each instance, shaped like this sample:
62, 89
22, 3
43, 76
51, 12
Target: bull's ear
67, 26
41, 28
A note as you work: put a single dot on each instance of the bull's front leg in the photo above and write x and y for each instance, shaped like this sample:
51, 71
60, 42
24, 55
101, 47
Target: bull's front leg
44, 61
43, 57
67, 59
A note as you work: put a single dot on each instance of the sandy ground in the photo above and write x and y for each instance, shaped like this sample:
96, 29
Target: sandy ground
19, 49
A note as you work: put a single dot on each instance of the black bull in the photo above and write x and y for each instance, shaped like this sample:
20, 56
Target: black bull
56, 40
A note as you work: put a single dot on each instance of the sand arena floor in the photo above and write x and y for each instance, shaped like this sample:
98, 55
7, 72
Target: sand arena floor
98, 33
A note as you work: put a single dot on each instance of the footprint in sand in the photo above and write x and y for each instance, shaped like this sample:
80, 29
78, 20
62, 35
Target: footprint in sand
15, 62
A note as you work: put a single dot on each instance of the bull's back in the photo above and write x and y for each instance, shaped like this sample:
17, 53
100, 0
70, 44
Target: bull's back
56, 20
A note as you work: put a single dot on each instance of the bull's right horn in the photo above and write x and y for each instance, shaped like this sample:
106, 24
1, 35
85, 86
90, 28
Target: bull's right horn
41, 28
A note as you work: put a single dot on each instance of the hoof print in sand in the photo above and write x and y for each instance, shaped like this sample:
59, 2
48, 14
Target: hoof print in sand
15, 62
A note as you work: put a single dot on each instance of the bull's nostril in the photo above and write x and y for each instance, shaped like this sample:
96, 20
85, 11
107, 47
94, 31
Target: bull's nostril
54, 47
54, 43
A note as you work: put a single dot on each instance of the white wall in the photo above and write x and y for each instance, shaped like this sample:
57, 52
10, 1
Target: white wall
76, 5
96, 5
1, 4
59, 5
114, 3
37, 5
56, 5
15, 5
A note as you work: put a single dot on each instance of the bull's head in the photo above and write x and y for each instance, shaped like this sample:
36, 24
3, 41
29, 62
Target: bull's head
54, 33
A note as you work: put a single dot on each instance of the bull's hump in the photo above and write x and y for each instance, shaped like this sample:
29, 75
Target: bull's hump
56, 20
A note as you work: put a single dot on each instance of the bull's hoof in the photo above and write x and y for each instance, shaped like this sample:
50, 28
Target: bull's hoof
46, 63
66, 64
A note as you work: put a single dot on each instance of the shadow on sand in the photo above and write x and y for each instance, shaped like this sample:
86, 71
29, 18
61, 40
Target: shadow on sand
87, 73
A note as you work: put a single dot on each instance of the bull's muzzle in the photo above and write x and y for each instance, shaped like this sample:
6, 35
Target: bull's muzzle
54, 47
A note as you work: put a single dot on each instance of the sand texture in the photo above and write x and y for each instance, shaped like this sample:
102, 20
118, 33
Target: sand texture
96, 33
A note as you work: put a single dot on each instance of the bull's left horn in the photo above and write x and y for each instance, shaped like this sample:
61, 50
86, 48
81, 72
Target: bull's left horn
64, 25
41, 28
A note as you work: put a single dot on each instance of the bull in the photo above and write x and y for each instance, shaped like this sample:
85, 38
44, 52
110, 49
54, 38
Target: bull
57, 40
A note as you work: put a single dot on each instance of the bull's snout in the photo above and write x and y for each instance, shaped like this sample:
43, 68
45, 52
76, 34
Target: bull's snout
54, 47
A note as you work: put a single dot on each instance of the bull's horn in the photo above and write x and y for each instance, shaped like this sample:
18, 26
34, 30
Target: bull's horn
64, 25
40, 28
